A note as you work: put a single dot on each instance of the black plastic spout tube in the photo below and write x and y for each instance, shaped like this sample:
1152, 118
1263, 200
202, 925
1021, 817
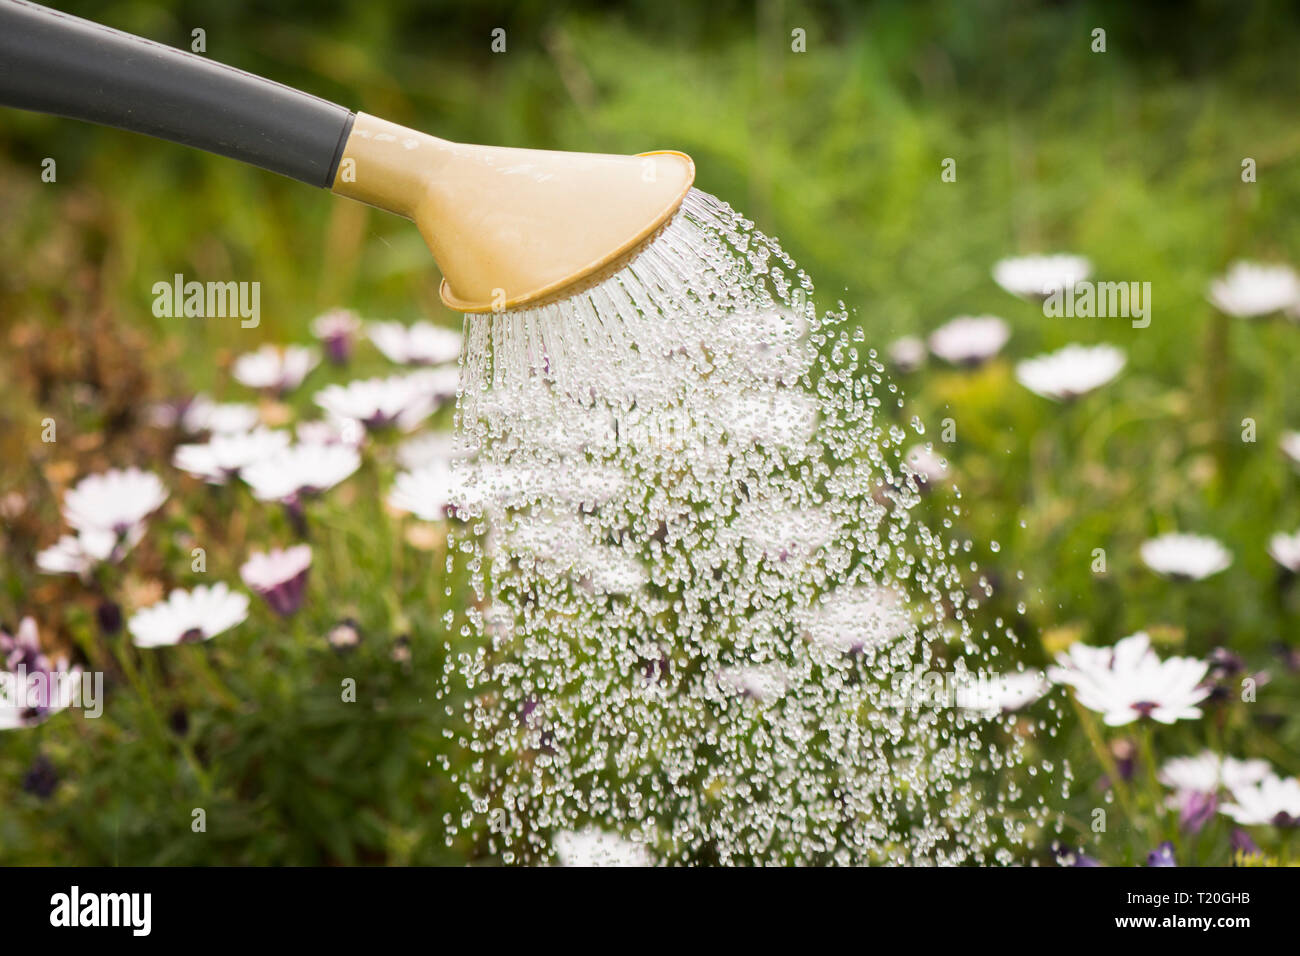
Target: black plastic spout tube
51, 62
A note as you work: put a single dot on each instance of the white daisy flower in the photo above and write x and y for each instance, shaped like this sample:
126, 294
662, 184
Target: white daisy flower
11, 715
969, 340
1272, 801
279, 576
43, 694
421, 343
336, 330
1084, 657
591, 847
763, 682
1071, 372
204, 415
429, 448
189, 616
1285, 550
331, 430
1209, 773
858, 618
1187, 557
928, 467
1034, 277
300, 470
430, 492
114, 501
1291, 447
992, 694
76, 554
907, 354
223, 456
401, 401
21, 647
34, 686
1250, 289
1129, 681
81, 553
487, 486
274, 368
442, 382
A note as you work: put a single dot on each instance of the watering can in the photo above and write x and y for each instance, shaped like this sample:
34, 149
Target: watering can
508, 227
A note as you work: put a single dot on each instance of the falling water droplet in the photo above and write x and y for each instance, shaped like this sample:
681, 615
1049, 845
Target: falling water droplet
711, 610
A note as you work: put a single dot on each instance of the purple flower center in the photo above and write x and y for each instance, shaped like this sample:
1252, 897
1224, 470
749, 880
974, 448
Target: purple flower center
339, 347
1163, 855
286, 597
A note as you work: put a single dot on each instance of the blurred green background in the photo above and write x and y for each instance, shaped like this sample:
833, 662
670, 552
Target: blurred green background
1131, 157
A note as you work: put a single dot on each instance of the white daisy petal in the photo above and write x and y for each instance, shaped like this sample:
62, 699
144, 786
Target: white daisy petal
926, 465
907, 354
429, 448
189, 616
1273, 800
969, 340
1039, 276
992, 695
1186, 556
81, 553
279, 576
303, 469
49, 685
1285, 550
336, 329
223, 456
402, 401
429, 492
1073, 371
421, 343
204, 415
274, 368
1250, 290
1209, 773
114, 501
1291, 447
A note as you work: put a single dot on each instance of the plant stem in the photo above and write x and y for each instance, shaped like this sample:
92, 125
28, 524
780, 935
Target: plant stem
1154, 791
1104, 756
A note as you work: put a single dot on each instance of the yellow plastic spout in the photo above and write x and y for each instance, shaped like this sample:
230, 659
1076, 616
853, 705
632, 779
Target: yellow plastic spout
513, 227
